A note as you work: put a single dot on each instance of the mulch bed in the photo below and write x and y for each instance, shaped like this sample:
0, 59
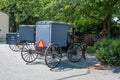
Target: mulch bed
100, 67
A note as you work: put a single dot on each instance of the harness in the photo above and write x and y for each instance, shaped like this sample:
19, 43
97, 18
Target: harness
91, 42
98, 36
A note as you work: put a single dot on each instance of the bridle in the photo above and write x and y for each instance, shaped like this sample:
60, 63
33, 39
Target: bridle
102, 34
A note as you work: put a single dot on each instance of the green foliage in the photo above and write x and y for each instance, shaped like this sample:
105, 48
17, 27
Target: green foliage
115, 31
108, 51
84, 14
89, 26
91, 50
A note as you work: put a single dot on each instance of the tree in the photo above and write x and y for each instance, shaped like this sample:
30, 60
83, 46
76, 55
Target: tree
21, 12
70, 11
100, 10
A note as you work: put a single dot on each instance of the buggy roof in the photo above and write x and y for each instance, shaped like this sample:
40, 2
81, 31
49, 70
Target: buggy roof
54, 22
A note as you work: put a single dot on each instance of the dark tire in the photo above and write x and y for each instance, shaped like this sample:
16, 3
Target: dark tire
28, 52
53, 55
74, 52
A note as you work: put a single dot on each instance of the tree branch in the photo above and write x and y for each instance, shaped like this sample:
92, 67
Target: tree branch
113, 3
91, 16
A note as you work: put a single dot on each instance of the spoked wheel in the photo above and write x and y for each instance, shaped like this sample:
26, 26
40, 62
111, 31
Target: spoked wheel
15, 47
74, 52
53, 55
28, 52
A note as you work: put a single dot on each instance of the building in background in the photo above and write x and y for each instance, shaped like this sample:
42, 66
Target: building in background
4, 25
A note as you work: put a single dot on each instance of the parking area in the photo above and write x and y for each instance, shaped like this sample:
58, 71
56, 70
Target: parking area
12, 67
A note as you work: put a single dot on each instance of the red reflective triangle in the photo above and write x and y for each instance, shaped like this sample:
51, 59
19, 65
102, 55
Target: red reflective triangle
41, 44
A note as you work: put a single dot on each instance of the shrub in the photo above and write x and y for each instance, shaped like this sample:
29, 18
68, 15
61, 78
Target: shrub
115, 31
108, 51
91, 49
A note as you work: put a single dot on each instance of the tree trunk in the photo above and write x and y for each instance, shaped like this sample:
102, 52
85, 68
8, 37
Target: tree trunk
14, 27
107, 23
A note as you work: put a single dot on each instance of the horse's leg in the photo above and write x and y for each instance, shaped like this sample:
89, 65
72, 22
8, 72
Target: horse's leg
83, 51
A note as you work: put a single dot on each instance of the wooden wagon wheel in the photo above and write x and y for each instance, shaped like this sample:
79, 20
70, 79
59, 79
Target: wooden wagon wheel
15, 47
74, 52
53, 55
28, 52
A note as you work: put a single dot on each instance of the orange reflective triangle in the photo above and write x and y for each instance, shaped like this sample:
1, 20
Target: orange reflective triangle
41, 44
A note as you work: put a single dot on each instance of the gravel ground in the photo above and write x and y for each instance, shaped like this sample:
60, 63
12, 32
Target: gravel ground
12, 67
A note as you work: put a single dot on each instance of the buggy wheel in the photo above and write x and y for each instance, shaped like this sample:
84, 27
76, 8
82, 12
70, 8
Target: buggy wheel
28, 52
53, 55
74, 52
15, 47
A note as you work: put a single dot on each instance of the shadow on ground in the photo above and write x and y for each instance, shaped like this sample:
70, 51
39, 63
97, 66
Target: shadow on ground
116, 70
66, 65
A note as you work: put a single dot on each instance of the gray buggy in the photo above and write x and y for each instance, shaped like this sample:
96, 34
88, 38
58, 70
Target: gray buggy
51, 40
